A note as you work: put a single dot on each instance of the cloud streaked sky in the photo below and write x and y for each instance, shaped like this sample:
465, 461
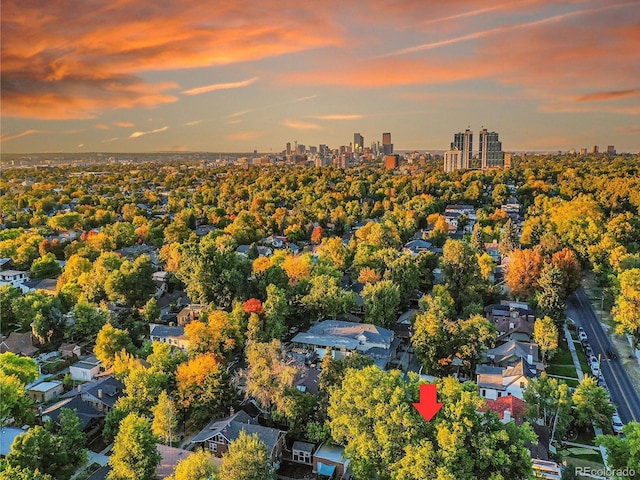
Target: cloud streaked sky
107, 75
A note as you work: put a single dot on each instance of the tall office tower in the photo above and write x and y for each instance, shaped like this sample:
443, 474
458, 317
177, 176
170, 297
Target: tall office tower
583, 151
288, 148
358, 143
611, 149
464, 143
507, 160
387, 146
491, 154
454, 160
595, 149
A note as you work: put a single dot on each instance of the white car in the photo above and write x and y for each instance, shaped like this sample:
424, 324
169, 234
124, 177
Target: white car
616, 423
582, 336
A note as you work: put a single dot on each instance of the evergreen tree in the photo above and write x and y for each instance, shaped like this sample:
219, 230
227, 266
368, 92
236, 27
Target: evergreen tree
550, 296
477, 238
508, 238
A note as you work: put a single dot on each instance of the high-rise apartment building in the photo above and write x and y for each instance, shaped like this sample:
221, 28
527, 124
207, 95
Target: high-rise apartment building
490, 152
463, 141
288, 148
387, 146
454, 160
358, 143
611, 150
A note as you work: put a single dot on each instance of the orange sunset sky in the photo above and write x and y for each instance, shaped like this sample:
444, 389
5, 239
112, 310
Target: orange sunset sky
132, 76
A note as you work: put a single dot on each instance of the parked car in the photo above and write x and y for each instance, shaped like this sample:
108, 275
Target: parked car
588, 350
616, 423
582, 336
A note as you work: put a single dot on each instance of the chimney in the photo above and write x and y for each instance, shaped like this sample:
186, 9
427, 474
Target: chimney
99, 393
79, 388
231, 411
506, 416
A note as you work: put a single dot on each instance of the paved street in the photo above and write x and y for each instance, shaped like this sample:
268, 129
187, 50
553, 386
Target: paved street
623, 394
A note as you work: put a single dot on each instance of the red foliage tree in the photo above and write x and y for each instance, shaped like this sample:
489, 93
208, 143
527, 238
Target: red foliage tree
253, 305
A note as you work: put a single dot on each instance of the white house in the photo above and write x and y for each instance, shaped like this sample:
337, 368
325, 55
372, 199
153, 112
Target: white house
15, 278
44, 392
495, 382
84, 370
173, 335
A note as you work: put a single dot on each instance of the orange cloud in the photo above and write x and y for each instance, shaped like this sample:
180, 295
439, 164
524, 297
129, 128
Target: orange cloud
101, 126
242, 136
354, 116
75, 59
142, 134
296, 125
7, 138
611, 95
124, 124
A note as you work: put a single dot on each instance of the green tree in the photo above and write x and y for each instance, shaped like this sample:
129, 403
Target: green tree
15, 404
46, 266
212, 275
25, 368
8, 293
247, 459
109, 342
508, 238
545, 334
461, 272
550, 298
404, 272
151, 311
197, 466
72, 439
89, 320
38, 449
134, 451
327, 298
381, 302
549, 400
592, 403
276, 310
626, 312
165, 418
623, 452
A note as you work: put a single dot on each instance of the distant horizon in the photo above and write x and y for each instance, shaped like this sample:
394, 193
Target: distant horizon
205, 77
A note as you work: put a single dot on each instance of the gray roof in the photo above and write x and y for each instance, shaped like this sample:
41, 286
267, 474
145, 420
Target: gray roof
512, 349
325, 341
85, 411
7, 436
166, 331
111, 390
231, 427
303, 446
339, 328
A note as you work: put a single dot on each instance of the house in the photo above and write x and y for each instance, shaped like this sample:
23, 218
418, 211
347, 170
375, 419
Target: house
344, 338
302, 452
414, 247
84, 370
70, 350
202, 230
46, 285
329, 462
18, 343
510, 353
307, 380
44, 392
102, 394
190, 313
495, 382
508, 408
7, 436
493, 249
403, 328
173, 335
13, 277
514, 321
218, 435
87, 414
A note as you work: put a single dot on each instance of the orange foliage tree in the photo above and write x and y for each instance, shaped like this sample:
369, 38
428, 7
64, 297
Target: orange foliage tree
523, 272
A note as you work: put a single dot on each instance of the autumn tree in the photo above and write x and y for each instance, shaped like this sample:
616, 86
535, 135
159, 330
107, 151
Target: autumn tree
134, 451
197, 466
567, 262
216, 333
269, 377
592, 403
297, 267
477, 238
626, 312
508, 238
111, 340
165, 418
247, 459
334, 250
23, 473
545, 334
523, 271
203, 387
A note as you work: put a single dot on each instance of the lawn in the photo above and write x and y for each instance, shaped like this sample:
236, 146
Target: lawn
562, 357
562, 370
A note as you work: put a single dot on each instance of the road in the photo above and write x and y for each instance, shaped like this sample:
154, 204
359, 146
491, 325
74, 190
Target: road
623, 394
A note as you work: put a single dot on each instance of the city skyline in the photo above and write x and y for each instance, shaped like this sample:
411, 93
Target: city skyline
141, 77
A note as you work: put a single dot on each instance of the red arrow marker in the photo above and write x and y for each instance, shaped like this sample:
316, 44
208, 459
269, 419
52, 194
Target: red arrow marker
428, 405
